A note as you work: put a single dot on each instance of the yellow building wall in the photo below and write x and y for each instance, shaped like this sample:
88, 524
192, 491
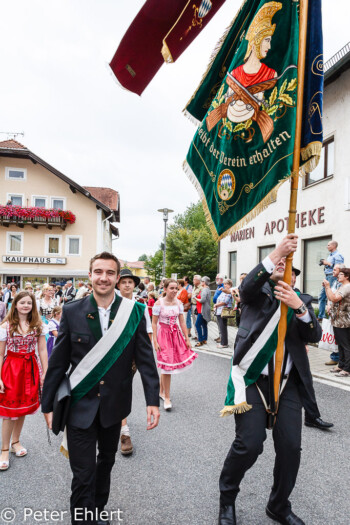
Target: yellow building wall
88, 226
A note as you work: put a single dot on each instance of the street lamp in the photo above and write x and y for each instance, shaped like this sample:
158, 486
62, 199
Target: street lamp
165, 212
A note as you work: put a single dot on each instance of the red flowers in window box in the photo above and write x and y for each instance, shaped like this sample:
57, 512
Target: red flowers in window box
33, 213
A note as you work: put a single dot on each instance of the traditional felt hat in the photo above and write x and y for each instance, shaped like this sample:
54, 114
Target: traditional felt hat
296, 271
125, 272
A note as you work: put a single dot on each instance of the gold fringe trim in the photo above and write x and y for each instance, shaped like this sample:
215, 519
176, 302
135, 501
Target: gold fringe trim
64, 452
241, 408
166, 53
188, 170
190, 117
267, 200
311, 154
215, 52
313, 148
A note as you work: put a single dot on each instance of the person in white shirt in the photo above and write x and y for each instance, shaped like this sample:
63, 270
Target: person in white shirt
82, 289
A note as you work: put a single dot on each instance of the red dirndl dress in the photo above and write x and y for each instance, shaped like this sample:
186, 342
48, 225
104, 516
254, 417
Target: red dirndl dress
21, 376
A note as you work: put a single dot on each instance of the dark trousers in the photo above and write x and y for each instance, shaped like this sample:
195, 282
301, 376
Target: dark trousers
202, 328
248, 444
91, 475
222, 322
342, 336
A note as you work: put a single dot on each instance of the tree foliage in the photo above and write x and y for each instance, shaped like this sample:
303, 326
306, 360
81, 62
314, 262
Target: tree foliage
142, 257
190, 247
154, 266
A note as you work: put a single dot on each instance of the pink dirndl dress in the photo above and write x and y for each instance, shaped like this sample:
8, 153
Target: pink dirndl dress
173, 355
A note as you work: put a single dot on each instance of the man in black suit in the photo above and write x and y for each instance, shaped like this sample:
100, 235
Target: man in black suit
96, 417
261, 293
312, 413
69, 293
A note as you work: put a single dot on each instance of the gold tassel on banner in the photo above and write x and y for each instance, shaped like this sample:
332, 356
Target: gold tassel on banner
241, 408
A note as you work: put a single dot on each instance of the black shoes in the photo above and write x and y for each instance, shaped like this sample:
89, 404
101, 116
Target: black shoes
291, 519
227, 515
318, 423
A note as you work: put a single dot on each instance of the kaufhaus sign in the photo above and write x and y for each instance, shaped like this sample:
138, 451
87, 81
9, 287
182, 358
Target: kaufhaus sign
33, 260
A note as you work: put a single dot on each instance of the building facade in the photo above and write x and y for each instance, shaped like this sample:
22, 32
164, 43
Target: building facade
323, 197
51, 226
137, 268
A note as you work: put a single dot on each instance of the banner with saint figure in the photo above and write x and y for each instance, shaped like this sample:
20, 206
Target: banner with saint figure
246, 110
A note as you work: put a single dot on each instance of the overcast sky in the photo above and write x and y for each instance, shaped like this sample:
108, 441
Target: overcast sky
57, 87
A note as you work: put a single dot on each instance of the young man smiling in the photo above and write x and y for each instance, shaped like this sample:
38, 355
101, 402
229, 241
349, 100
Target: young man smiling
104, 382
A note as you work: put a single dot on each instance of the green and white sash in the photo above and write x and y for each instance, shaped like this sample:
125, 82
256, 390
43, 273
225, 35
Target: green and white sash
105, 353
251, 365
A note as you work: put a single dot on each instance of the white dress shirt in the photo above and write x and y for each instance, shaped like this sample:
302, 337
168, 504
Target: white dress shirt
104, 314
306, 318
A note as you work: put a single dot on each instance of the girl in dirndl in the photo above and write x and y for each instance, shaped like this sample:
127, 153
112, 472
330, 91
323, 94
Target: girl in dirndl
173, 347
21, 372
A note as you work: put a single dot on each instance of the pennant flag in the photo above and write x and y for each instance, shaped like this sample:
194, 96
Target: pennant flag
161, 31
245, 107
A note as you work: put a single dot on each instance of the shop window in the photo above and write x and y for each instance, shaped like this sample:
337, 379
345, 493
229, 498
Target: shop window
15, 174
14, 243
314, 251
73, 245
325, 167
53, 244
34, 280
264, 251
58, 203
233, 267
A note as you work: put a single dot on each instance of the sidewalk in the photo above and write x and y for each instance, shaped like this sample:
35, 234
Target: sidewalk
317, 357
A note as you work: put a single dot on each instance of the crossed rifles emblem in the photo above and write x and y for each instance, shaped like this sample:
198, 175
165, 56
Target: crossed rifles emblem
263, 120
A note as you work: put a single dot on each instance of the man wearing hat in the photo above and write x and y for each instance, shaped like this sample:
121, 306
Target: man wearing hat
126, 284
308, 398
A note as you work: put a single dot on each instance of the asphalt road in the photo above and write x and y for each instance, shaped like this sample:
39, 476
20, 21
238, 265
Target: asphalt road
172, 477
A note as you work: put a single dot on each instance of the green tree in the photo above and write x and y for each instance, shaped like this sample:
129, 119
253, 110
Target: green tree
142, 257
154, 266
190, 246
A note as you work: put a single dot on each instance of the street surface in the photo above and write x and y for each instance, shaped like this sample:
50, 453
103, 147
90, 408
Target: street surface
172, 477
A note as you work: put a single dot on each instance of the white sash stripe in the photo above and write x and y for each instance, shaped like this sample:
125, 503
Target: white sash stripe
261, 340
238, 371
102, 347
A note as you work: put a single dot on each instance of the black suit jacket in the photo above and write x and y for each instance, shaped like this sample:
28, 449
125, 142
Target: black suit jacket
70, 293
79, 331
258, 304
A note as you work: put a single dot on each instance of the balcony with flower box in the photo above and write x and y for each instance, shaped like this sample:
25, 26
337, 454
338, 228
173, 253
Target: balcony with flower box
35, 217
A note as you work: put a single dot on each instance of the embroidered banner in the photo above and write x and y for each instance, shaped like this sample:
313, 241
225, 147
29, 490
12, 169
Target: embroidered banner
246, 110
161, 31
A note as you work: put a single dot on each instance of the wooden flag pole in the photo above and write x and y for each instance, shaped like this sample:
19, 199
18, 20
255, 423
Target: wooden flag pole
282, 326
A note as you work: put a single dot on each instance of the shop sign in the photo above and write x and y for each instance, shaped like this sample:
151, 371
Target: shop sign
302, 220
33, 260
243, 235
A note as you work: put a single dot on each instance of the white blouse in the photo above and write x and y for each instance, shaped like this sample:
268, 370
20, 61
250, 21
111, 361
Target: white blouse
3, 332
